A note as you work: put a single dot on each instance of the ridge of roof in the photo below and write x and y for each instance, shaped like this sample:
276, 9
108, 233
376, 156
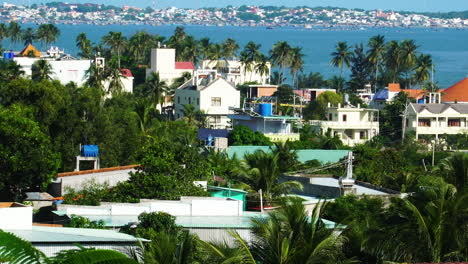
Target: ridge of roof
457, 92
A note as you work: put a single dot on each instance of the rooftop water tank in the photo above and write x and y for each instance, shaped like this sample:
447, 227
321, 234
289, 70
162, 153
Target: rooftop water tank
266, 109
90, 151
8, 55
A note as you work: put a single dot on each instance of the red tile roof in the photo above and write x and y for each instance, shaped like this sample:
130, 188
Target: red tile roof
184, 65
126, 72
394, 87
74, 173
457, 92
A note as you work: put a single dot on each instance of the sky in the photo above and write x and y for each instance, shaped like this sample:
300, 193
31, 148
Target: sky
406, 5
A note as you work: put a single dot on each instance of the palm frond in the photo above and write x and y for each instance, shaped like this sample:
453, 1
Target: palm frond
16, 250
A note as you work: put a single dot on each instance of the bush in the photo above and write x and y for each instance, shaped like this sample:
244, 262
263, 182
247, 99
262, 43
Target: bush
83, 222
244, 136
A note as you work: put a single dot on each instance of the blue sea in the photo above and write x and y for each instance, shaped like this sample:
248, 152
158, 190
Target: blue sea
448, 47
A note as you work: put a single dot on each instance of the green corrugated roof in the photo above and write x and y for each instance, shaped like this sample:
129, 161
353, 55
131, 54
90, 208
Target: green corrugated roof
323, 155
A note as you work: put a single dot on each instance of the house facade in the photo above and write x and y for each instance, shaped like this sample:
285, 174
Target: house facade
163, 61
234, 71
214, 96
436, 119
353, 125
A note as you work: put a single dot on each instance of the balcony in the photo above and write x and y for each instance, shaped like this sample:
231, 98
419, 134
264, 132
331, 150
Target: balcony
344, 125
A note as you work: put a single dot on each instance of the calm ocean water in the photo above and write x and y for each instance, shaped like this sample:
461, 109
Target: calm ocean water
449, 47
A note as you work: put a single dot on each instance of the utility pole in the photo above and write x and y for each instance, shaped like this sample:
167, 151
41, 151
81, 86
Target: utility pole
403, 125
261, 200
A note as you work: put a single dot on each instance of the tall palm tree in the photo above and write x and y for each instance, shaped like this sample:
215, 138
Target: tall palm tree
114, 75
10, 70
47, 33
250, 56
205, 46
190, 113
14, 33
263, 66
375, 54
84, 44
3, 31
176, 41
41, 70
296, 63
28, 36
191, 50
216, 54
341, 56
280, 55
96, 76
454, 170
393, 59
230, 48
408, 51
116, 41
423, 68
156, 88
138, 44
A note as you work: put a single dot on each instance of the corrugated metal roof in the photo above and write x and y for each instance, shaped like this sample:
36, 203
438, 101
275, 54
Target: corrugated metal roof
45, 234
304, 155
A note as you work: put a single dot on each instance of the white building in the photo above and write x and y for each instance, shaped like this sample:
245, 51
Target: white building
64, 67
163, 61
353, 125
215, 96
234, 71
437, 118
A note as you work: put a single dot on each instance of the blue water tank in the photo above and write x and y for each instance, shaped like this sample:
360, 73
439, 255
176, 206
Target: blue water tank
266, 109
90, 151
8, 55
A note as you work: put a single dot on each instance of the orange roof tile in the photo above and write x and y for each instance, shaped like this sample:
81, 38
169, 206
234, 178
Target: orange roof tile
457, 92
30, 48
394, 87
74, 173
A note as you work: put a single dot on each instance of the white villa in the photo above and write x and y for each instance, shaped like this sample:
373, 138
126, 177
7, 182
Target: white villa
437, 118
163, 61
233, 71
211, 94
353, 125
65, 68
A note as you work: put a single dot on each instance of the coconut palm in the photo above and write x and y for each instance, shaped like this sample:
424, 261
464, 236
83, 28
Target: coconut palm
14, 33
341, 57
116, 41
10, 70
250, 56
16, 250
47, 33
263, 66
423, 68
114, 76
176, 41
28, 36
190, 113
393, 59
277, 78
375, 53
216, 54
155, 88
280, 55
205, 46
260, 171
191, 50
408, 51
3, 31
138, 45
41, 70
95, 76
85, 46
454, 170
296, 63
230, 48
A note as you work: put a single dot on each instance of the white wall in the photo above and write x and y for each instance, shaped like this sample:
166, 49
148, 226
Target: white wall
172, 207
16, 218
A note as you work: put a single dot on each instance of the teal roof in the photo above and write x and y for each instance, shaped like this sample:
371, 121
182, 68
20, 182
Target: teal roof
322, 155
46, 234
210, 187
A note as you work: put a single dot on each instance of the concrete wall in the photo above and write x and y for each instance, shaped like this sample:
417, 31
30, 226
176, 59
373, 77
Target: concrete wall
111, 177
221, 234
16, 218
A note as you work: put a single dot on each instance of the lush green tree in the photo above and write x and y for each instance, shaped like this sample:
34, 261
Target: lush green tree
393, 59
85, 45
139, 45
277, 78
454, 170
249, 56
14, 32
423, 68
375, 54
41, 70
155, 88
47, 33
296, 63
10, 70
28, 36
230, 48
3, 31
312, 80
287, 157
359, 69
337, 83
263, 66
316, 110
96, 76
83, 222
243, 135
285, 94
117, 42
28, 162
341, 57
408, 52
280, 55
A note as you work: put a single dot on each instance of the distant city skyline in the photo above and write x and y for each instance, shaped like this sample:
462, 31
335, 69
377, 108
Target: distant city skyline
397, 5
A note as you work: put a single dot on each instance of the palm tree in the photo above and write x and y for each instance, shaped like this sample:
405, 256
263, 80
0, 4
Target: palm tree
454, 170
296, 63
96, 76
250, 56
375, 54
191, 50
117, 42
138, 44
176, 41
205, 46
408, 51
216, 54
263, 66
114, 75
156, 88
423, 68
41, 70
84, 44
280, 54
143, 108
341, 56
276, 78
28, 36
230, 48
393, 60
190, 113
47, 33
16, 250
10, 70
14, 33
260, 171
3, 31
337, 83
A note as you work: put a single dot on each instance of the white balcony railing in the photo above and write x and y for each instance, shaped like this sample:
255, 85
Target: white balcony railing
344, 125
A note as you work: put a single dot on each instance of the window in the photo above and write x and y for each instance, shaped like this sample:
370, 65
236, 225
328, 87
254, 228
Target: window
216, 119
424, 122
215, 101
454, 123
178, 99
330, 117
198, 101
362, 135
345, 117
